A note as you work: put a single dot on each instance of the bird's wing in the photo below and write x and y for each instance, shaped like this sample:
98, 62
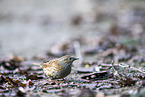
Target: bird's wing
51, 63
48, 64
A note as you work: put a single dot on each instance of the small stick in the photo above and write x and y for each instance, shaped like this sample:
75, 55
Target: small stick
36, 63
40, 64
135, 69
77, 50
115, 71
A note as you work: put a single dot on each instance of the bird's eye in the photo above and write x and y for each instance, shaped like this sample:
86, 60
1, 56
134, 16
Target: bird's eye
70, 59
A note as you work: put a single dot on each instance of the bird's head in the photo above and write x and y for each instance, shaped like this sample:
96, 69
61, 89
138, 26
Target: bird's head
69, 59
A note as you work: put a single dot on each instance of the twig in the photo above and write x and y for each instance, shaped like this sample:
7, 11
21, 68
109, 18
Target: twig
11, 81
135, 69
77, 50
115, 71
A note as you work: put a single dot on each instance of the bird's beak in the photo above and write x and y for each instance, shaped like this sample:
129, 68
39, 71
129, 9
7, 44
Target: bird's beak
76, 58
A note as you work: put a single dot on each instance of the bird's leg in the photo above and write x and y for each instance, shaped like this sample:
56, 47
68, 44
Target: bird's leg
65, 80
49, 79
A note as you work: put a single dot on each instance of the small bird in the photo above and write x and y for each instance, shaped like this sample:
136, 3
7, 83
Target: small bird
58, 68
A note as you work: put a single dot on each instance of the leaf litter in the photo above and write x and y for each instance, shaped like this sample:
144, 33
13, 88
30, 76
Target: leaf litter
112, 66
91, 77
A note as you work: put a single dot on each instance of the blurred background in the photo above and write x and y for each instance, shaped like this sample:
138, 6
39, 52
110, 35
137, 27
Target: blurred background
33, 27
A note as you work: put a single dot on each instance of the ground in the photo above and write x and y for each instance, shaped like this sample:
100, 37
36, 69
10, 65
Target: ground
107, 36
